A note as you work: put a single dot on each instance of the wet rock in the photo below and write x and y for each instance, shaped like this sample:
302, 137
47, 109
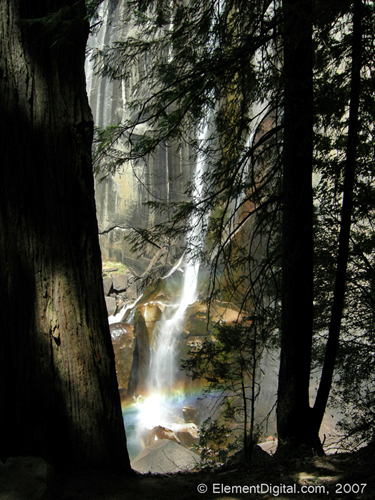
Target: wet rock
165, 456
121, 301
156, 292
152, 314
26, 478
158, 433
142, 355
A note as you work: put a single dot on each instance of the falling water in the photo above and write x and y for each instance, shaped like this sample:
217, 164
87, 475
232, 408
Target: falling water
158, 407
163, 363
115, 318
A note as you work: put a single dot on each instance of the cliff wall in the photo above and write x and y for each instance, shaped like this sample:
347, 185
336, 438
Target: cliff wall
120, 198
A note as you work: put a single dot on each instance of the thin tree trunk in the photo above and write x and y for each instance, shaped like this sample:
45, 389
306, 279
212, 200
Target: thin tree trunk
346, 215
253, 395
293, 410
58, 387
243, 391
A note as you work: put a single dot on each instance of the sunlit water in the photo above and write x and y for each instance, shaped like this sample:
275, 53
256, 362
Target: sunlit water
165, 398
155, 410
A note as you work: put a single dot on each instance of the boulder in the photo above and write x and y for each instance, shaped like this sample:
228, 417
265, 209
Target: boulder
107, 285
258, 455
110, 302
269, 446
124, 342
132, 291
188, 434
120, 282
224, 312
110, 269
26, 478
165, 456
158, 433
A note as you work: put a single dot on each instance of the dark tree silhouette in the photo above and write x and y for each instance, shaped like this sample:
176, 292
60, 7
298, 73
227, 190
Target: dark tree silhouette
58, 387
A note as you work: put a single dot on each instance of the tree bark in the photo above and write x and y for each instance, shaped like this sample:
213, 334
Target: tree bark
58, 387
293, 409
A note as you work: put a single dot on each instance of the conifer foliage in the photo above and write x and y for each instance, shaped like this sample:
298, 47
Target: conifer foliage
276, 99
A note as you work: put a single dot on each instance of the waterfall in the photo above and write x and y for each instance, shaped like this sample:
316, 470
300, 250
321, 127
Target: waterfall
166, 352
158, 407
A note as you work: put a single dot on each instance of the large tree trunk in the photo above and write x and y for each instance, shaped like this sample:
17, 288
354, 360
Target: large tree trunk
293, 410
58, 387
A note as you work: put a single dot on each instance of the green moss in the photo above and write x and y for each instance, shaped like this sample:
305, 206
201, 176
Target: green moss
109, 268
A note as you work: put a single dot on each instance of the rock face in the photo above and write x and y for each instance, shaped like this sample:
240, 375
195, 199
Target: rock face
119, 286
120, 198
190, 414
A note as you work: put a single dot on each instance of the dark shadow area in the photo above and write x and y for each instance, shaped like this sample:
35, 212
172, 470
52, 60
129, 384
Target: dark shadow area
343, 476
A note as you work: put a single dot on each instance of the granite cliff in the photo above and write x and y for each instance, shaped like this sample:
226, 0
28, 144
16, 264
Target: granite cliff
120, 198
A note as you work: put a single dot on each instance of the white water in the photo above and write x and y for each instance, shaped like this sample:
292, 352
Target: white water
158, 408
115, 318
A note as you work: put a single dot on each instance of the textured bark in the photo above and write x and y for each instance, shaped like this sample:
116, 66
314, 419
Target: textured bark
58, 387
293, 410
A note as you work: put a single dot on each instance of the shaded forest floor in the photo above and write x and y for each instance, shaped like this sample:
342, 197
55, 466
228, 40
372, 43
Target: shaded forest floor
340, 476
